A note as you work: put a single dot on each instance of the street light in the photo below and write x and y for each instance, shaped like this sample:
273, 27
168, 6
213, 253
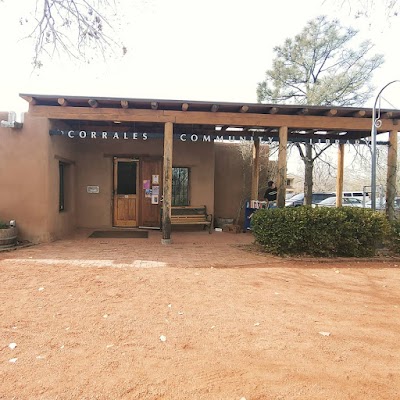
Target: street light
376, 123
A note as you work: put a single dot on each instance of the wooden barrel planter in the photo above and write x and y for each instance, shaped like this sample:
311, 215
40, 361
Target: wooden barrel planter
8, 237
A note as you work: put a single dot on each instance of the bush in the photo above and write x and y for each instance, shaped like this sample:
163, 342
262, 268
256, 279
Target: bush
321, 231
394, 237
3, 225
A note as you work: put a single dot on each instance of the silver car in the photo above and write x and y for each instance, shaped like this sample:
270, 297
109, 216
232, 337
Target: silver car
346, 202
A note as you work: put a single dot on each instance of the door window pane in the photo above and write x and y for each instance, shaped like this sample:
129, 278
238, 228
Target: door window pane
126, 177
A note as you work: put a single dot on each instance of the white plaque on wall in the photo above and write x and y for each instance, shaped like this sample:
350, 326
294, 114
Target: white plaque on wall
92, 189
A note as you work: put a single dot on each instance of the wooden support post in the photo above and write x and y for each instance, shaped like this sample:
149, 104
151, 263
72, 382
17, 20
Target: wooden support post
167, 183
282, 160
391, 175
255, 173
339, 177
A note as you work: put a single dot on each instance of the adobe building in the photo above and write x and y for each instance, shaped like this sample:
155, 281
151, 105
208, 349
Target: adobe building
102, 163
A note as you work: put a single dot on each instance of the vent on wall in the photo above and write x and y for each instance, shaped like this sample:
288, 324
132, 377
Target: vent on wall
11, 121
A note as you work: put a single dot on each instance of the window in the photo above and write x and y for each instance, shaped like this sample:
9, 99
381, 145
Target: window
61, 172
180, 186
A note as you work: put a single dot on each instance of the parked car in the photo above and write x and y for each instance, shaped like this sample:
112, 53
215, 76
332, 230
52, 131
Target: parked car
358, 195
380, 203
346, 202
298, 199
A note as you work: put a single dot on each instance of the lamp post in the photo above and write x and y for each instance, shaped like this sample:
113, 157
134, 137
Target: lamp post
376, 123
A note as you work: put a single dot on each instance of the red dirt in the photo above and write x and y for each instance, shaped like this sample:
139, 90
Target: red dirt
87, 316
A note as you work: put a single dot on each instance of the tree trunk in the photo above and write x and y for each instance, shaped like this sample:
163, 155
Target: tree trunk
308, 175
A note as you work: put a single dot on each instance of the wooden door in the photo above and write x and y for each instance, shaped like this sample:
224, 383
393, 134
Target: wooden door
150, 199
126, 199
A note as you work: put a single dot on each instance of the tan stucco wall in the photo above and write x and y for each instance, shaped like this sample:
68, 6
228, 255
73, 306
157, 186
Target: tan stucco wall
200, 158
24, 178
232, 180
61, 223
233, 174
94, 166
29, 174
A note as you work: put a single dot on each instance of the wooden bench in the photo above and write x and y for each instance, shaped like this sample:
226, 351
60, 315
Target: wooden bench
189, 215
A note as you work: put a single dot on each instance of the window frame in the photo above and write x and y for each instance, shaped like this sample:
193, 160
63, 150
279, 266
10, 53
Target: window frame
61, 194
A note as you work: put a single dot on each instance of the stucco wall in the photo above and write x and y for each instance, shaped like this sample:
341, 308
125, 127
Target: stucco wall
29, 177
94, 166
233, 178
24, 179
199, 157
61, 223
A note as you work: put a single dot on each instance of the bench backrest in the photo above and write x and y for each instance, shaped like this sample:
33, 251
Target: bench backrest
187, 210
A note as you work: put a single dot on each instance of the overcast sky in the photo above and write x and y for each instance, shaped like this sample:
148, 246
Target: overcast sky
179, 49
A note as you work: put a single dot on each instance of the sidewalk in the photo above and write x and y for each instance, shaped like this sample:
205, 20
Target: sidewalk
188, 249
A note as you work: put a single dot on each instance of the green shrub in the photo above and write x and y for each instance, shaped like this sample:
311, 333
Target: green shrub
3, 225
394, 237
321, 231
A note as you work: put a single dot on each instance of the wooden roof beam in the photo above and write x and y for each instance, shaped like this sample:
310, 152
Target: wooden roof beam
185, 106
62, 102
304, 111
332, 112
209, 118
359, 114
125, 104
387, 115
214, 107
154, 105
93, 103
273, 110
244, 109
31, 100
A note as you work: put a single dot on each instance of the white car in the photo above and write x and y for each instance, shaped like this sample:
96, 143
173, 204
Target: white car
346, 202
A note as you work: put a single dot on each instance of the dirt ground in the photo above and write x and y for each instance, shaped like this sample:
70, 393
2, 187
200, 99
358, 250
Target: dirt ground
203, 318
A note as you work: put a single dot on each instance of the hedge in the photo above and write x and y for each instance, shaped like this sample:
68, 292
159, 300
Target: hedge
320, 231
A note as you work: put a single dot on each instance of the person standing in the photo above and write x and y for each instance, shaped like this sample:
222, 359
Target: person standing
270, 194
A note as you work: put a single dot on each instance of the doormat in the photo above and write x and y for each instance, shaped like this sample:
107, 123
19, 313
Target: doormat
119, 234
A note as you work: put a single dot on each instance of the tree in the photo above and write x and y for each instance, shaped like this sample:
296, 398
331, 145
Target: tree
320, 67
74, 27
365, 8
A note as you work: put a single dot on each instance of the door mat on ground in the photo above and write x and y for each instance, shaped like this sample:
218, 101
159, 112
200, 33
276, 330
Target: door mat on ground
120, 234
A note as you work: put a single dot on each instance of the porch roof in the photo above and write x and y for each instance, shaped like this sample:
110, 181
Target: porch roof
246, 119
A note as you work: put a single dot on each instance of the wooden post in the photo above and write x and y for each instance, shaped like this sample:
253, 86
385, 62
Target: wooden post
167, 183
391, 175
339, 177
282, 159
255, 173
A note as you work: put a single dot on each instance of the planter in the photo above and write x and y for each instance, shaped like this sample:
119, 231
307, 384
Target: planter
8, 237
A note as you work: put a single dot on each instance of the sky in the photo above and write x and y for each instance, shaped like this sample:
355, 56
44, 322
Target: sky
212, 50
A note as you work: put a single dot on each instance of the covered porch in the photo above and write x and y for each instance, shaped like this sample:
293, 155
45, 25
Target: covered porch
177, 123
